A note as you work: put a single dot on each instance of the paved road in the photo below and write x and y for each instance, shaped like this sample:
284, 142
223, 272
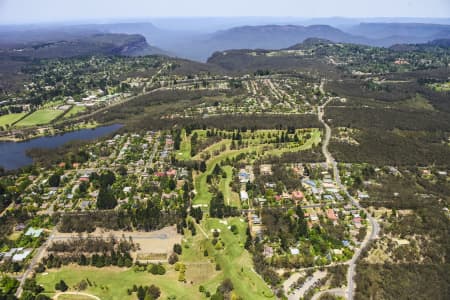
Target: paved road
36, 258
374, 227
300, 293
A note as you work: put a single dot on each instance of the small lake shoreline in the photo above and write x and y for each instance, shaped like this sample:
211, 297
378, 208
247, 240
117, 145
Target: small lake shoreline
14, 154
10, 137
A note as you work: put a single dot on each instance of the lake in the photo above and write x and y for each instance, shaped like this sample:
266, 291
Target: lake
13, 155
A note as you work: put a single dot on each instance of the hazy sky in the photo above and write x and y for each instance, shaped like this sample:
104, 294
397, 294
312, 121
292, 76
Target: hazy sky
28, 11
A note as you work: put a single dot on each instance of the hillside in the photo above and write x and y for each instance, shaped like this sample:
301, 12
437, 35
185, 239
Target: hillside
388, 34
96, 44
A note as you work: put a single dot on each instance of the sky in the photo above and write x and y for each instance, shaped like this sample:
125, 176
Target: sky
49, 11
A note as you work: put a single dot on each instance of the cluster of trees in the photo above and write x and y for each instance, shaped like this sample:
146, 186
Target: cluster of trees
97, 260
381, 148
155, 269
61, 286
288, 228
8, 287
33, 291
151, 292
218, 208
418, 281
198, 145
145, 216
91, 245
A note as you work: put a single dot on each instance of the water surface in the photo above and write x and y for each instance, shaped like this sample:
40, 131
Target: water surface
13, 155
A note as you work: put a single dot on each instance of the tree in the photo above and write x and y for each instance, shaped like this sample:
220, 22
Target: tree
54, 180
61, 286
9, 285
107, 179
226, 286
173, 258
154, 291
106, 199
202, 166
177, 249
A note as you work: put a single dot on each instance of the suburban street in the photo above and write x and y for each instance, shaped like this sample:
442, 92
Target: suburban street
373, 229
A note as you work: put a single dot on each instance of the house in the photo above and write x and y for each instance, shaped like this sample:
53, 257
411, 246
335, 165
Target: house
84, 178
261, 200
362, 196
266, 169
244, 196
297, 195
286, 196
270, 185
34, 232
85, 204
171, 173
244, 177
338, 197
331, 215
337, 251
256, 220
314, 218
20, 227
328, 197
268, 251
309, 183
294, 251
127, 189
17, 254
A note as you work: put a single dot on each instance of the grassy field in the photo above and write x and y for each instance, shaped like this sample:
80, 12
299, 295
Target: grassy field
40, 117
111, 283
236, 264
313, 141
231, 198
235, 261
185, 147
10, 118
74, 111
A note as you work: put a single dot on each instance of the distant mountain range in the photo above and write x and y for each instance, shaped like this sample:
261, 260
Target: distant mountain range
199, 46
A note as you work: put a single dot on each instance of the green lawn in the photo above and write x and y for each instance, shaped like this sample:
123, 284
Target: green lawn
74, 111
231, 198
10, 118
313, 141
40, 117
235, 261
185, 147
213, 147
112, 283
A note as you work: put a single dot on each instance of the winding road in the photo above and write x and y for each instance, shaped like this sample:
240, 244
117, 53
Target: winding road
374, 227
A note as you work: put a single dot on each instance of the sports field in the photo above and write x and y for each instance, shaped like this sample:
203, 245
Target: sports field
40, 117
